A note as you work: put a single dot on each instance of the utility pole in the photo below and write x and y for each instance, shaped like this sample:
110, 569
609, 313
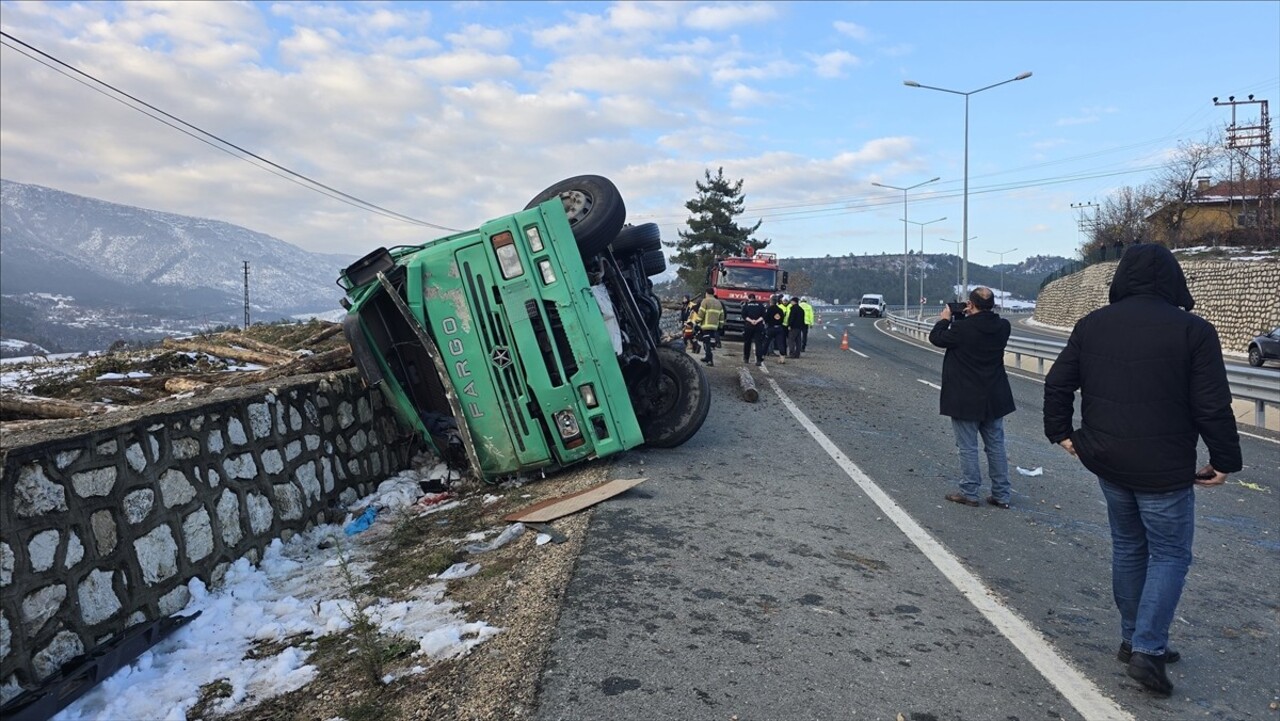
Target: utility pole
1083, 223
1255, 136
246, 295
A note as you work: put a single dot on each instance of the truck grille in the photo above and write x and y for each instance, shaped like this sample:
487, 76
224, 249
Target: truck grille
507, 373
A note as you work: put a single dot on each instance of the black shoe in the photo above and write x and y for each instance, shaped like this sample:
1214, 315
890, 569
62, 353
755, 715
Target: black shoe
1149, 671
759, 364
961, 499
1126, 652
1002, 504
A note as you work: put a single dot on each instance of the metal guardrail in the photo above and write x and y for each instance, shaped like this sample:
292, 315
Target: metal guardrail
1255, 385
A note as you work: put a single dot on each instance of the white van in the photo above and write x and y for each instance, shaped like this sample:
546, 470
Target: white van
872, 304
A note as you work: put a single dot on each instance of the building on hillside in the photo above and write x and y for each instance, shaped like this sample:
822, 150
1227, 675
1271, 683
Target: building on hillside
1228, 211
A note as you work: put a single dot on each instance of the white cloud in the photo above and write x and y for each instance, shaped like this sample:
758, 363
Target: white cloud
853, 30
480, 38
645, 16
743, 96
721, 16
833, 64
1039, 228
727, 70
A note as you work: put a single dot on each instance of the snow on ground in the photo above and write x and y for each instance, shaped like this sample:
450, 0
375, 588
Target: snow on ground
299, 588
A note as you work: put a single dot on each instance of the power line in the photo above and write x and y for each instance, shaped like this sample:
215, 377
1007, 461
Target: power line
309, 183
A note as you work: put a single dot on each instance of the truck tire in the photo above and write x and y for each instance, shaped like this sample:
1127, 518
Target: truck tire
594, 208
637, 239
682, 403
655, 261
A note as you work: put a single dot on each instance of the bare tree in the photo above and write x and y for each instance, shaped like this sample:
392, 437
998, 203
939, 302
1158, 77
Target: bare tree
1175, 184
1123, 219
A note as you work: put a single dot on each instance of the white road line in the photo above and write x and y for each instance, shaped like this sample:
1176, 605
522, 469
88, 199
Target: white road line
864, 355
831, 336
1087, 699
931, 385
1254, 435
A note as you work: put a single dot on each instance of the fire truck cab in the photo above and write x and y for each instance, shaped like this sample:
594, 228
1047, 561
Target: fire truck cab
733, 279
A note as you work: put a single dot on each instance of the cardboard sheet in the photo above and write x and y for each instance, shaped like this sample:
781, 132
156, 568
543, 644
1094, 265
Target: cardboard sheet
554, 508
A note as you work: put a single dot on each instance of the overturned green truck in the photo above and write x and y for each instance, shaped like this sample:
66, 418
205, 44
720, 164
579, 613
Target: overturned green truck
530, 343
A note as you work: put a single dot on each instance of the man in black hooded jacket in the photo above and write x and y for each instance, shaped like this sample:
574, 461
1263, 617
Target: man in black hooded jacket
1152, 381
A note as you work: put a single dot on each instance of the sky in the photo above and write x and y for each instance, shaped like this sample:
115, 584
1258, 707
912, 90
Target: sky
298, 589
451, 113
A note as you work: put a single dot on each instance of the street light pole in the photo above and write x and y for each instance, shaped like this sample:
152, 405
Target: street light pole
1002, 254
904, 230
965, 222
957, 244
920, 259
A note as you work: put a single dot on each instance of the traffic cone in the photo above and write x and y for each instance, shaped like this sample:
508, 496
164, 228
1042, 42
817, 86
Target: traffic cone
844, 341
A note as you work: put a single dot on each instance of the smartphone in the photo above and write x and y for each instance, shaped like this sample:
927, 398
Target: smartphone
957, 309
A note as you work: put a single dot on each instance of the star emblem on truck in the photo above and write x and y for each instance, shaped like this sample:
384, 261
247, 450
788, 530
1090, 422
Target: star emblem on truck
501, 357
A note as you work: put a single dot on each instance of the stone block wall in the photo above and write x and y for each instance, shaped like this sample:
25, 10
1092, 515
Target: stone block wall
1241, 298
103, 522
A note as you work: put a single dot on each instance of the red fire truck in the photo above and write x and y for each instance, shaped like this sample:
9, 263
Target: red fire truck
733, 279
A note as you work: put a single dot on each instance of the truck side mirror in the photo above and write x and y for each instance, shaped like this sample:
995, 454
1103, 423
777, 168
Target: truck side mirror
785, 275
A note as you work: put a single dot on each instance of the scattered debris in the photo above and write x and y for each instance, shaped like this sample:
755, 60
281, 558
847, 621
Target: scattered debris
362, 522
1037, 471
1253, 486
513, 531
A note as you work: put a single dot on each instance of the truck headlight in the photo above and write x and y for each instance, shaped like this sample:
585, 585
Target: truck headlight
588, 393
548, 274
504, 246
570, 433
535, 239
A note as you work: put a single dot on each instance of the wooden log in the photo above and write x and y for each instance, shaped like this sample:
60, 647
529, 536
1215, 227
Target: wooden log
254, 344
19, 406
331, 360
748, 386
243, 355
326, 333
178, 384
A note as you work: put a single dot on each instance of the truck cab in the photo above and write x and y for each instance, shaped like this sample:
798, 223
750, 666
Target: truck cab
529, 343
734, 279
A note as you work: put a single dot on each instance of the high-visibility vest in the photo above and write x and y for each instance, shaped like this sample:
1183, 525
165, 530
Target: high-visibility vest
808, 313
786, 313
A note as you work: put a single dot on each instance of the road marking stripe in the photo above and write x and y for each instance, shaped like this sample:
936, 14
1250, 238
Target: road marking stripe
831, 336
1079, 691
931, 385
864, 355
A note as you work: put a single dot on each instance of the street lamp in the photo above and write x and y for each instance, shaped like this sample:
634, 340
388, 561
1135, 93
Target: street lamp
920, 313
904, 230
965, 222
957, 244
1002, 254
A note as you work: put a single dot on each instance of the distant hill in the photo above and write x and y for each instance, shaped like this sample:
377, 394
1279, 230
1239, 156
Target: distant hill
845, 278
78, 273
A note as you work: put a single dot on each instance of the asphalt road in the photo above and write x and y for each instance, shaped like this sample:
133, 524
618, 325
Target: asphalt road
752, 576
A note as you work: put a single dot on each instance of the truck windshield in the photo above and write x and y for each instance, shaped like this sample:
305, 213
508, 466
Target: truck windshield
748, 278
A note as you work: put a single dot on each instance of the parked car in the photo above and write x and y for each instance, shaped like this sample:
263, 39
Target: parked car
872, 304
531, 342
1264, 348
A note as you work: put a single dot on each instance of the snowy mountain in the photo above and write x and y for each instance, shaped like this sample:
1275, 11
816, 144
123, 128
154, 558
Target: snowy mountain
135, 273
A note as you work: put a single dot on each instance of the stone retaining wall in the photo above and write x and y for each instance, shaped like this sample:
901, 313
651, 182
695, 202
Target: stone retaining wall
1240, 298
103, 522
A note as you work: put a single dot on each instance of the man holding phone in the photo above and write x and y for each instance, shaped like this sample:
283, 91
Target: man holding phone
976, 393
1152, 381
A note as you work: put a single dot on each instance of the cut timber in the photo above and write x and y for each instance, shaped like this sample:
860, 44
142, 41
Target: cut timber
16, 406
330, 360
178, 384
748, 385
332, 330
553, 508
253, 344
241, 354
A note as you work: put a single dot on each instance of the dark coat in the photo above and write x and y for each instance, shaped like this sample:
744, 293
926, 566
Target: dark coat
974, 384
1151, 379
795, 318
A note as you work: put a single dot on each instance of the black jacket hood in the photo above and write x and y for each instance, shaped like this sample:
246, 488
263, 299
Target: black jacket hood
1150, 269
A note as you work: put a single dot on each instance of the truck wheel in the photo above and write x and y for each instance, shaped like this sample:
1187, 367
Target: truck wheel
682, 403
594, 208
637, 239
655, 261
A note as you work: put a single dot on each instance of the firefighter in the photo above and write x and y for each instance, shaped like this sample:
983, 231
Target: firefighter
710, 322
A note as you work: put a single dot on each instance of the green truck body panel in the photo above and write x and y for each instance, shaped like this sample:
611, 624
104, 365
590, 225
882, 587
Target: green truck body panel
515, 352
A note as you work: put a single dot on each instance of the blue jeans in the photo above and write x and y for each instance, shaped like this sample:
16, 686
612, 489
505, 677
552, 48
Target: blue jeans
1150, 553
997, 462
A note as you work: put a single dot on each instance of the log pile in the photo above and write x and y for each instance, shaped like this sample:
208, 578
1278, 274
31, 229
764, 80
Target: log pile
160, 377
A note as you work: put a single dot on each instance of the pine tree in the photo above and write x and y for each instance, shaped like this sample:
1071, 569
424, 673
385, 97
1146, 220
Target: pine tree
712, 231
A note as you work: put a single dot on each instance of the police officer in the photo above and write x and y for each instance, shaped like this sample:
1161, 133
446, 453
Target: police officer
754, 329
